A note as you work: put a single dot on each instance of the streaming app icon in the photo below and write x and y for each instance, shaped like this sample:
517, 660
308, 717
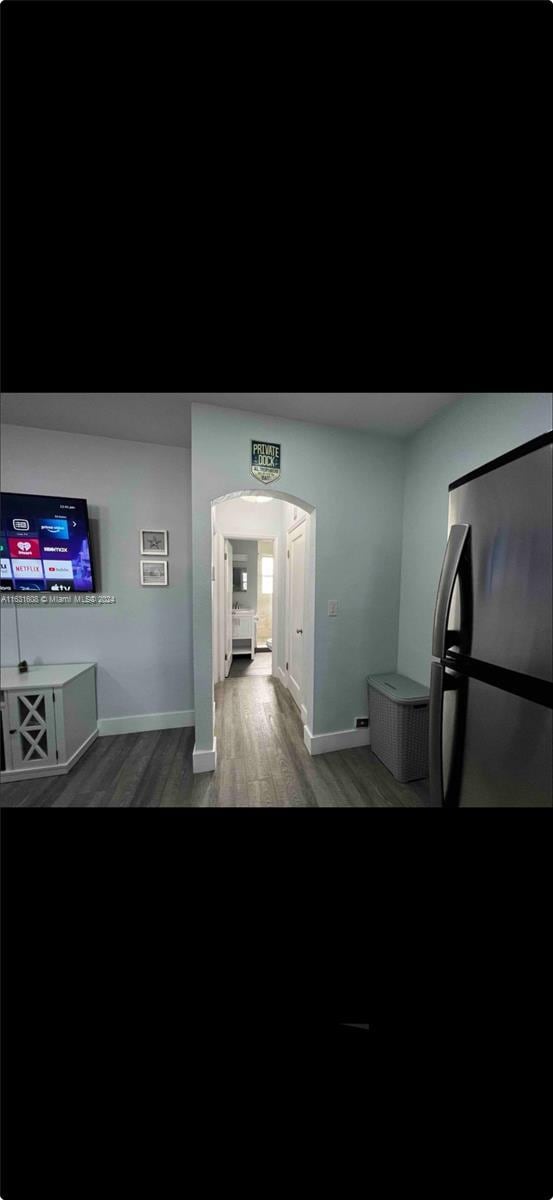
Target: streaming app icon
59, 587
26, 568
5, 568
54, 569
20, 524
3, 545
24, 547
55, 527
30, 587
55, 547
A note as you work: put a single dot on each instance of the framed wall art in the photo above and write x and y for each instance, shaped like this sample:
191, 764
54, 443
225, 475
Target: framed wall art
153, 541
153, 573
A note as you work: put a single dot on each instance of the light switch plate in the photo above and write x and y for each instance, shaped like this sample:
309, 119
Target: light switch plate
332, 608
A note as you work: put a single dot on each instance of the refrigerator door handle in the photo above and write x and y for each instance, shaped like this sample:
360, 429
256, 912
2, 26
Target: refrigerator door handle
440, 682
456, 543
435, 715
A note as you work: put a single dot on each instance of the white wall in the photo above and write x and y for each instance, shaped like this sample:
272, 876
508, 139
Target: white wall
238, 518
472, 432
143, 642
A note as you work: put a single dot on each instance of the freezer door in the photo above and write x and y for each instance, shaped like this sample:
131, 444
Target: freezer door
492, 749
507, 620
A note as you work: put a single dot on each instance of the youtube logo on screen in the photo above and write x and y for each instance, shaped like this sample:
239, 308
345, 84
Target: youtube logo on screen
24, 547
53, 569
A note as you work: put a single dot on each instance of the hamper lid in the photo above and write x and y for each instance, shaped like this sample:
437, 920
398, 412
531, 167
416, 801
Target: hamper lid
399, 688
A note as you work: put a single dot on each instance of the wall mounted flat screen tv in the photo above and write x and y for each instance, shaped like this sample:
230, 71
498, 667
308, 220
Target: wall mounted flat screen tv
44, 544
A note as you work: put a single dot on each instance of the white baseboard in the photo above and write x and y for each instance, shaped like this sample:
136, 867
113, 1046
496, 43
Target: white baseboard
204, 760
303, 711
144, 722
342, 739
281, 675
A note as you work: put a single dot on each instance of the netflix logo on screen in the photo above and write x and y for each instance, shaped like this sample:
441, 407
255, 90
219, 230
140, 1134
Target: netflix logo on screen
26, 570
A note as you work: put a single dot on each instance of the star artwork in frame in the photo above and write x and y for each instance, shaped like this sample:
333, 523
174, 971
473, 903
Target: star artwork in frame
153, 541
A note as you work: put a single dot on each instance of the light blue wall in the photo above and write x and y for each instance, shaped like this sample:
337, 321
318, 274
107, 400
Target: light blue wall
143, 642
247, 599
475, 430
355, 483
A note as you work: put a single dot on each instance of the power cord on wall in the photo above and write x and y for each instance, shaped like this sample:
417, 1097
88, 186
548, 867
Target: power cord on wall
22, 665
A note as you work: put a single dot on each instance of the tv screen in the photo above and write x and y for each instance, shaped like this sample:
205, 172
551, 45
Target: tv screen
44, 544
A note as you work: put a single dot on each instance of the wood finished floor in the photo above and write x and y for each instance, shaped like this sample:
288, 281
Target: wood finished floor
243, 667
261, 763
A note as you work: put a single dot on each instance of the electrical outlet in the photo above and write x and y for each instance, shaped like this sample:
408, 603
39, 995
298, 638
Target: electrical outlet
362, 723
332, 608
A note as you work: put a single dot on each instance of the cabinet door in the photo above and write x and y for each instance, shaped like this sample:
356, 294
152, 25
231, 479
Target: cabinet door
5, 752
32, 729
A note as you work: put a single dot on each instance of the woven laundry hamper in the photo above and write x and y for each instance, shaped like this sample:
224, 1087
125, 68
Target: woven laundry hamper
398, 709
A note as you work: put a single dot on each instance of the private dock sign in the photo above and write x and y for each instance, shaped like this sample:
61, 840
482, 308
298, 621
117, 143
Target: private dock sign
266, 461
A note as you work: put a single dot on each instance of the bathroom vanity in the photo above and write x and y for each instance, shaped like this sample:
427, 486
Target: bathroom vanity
244, 631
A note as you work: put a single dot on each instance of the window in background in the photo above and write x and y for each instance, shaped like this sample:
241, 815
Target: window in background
266, 576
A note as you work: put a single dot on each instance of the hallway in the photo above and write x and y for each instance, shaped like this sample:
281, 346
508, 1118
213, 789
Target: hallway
262, 760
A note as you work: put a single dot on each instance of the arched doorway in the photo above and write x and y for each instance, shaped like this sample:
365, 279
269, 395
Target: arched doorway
294, 512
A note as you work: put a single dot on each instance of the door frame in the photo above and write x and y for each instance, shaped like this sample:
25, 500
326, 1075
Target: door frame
274, 598
218, 605
302, 520
219, 597
227, 616
206, 759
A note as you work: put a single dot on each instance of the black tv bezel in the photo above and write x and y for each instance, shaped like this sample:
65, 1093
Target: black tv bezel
71, 499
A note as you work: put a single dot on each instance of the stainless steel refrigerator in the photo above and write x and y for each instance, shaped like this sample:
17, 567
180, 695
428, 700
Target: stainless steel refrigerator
491, 729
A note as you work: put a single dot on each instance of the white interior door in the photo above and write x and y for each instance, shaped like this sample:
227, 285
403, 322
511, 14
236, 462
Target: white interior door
296, 577
228, 606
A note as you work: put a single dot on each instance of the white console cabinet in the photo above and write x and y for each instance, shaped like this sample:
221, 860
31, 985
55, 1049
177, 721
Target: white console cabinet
48, 717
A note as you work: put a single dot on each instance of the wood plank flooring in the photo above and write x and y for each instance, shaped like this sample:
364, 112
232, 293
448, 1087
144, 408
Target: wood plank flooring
261, 763
243, 666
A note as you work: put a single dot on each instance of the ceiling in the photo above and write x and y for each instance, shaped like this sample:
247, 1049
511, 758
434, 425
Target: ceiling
164, 417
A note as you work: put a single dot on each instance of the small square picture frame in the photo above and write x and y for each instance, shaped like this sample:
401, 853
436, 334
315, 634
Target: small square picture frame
154, 572
153, 541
